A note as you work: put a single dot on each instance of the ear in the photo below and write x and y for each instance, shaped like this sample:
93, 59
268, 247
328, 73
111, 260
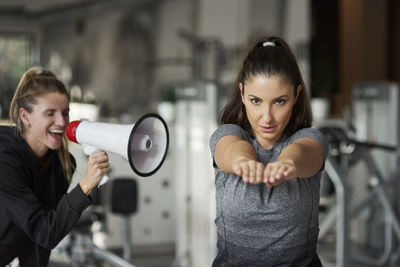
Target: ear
24, 115
241, 91
298, 90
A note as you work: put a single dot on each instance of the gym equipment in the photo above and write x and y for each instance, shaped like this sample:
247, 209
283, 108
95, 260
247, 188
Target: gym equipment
344, 153
124, 199
79, 249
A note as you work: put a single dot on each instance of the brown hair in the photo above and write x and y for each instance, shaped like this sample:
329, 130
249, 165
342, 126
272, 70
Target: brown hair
35, 82
270, 56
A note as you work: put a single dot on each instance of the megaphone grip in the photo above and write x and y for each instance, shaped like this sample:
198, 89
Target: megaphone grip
103, 180
89, 150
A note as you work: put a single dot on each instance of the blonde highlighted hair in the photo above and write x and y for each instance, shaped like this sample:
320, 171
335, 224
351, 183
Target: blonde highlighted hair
34, 82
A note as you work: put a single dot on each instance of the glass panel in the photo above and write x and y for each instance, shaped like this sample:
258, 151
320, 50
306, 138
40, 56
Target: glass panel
15, 57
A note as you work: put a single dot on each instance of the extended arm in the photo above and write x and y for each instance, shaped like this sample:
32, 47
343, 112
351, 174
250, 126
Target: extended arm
234, 155
21, 206
303, 159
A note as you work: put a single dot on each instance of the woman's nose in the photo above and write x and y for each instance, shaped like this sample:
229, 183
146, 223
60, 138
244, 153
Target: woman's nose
61, 120
267, 115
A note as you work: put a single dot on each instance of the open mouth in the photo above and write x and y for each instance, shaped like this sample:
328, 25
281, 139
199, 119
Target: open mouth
56, 132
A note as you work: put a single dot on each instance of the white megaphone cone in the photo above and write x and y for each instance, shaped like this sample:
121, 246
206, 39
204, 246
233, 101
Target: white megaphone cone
144, 144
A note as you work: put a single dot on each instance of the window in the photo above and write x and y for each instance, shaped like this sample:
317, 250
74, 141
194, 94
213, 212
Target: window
15, 57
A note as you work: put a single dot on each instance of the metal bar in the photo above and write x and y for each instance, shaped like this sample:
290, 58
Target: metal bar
342, 218
126, 238
328, 222
110, 258
388, 245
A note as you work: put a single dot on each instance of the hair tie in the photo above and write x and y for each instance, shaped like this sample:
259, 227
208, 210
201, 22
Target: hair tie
268, 44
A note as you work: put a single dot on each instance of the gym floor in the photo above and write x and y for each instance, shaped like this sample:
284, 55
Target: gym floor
164, 256
155, 256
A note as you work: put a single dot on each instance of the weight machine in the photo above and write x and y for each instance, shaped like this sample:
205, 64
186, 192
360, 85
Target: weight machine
370, 138
80, 248
345, 152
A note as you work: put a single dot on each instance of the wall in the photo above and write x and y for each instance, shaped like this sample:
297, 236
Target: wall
363, 47
108, 57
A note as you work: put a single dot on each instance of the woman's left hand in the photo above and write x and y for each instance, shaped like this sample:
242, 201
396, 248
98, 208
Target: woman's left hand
279, 171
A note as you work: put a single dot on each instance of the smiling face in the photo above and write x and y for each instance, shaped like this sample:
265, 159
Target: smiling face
46, 123
269, 103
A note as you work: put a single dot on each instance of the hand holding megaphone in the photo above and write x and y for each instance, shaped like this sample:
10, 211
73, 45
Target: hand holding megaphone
89, 150
144, 144
96, 171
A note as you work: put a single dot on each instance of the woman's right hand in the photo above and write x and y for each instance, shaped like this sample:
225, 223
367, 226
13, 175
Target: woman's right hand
250, 170
97, 166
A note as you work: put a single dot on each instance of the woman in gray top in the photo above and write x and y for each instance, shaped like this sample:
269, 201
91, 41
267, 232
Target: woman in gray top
268, 164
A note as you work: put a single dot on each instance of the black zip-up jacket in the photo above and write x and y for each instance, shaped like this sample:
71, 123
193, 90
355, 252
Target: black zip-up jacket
36, 212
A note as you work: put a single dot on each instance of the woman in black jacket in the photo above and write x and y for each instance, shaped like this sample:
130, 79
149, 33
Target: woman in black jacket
36, 211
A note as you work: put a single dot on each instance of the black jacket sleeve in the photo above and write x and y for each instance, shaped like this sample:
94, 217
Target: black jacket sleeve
21, 208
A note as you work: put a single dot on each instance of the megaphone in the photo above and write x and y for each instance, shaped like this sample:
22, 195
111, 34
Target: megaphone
144, 144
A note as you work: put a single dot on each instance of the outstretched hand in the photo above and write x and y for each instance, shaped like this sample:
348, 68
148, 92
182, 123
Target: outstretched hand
272, 174
279, 171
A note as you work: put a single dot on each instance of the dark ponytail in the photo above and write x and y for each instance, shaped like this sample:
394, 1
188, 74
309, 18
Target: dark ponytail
269, 56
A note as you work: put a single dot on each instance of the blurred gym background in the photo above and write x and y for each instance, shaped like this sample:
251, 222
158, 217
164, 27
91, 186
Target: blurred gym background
121, 59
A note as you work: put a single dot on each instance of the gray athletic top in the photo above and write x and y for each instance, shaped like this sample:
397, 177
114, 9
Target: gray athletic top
261, 226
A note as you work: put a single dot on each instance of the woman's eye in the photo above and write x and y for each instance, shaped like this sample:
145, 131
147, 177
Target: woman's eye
255, 101
280, 101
